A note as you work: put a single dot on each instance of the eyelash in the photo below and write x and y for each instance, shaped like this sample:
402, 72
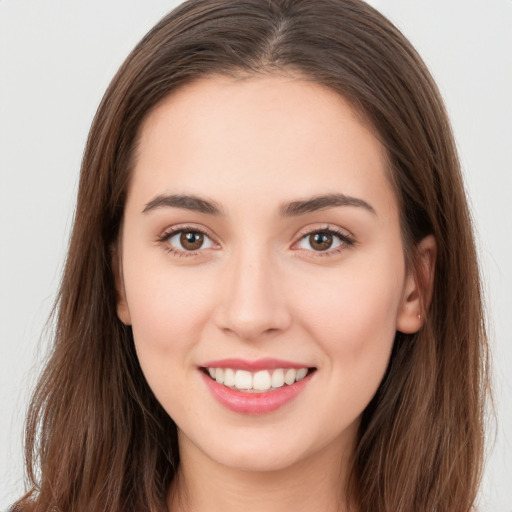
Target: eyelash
347, 241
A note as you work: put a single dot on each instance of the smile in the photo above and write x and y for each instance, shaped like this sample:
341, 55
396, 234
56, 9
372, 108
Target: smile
256, 387
257, 382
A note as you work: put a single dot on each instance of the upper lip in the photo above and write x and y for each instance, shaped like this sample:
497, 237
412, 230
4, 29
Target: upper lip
253, 366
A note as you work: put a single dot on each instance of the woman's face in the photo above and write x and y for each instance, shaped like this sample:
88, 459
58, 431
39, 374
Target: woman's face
261, 241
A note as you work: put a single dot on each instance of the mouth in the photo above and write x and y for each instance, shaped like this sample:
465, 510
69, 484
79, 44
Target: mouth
255, 387
261, 381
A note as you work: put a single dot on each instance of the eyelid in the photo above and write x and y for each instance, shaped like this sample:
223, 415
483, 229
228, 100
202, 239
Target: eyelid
345, 237
343, 233
174, 230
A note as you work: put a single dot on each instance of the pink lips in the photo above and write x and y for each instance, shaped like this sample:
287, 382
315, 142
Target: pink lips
253, 403
253, 366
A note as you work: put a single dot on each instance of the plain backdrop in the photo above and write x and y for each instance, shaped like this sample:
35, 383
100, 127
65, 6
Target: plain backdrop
56, 59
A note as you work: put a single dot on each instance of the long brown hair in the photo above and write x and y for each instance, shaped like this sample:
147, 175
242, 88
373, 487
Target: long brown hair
96, 437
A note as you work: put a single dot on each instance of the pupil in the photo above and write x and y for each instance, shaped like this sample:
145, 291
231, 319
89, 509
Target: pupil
322, 240
191, 240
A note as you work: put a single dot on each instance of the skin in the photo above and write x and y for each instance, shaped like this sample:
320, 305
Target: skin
259, 287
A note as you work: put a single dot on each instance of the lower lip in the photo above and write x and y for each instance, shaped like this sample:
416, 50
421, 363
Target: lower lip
254, 403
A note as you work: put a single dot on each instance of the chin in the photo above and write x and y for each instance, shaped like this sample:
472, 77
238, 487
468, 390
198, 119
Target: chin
258, 450
259, 461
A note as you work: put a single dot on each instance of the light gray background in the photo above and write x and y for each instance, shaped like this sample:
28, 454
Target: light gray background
56, 59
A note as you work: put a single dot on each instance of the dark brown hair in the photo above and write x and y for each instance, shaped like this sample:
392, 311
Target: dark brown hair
97, 439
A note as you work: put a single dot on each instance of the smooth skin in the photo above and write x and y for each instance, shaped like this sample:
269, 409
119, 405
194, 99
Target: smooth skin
259, 285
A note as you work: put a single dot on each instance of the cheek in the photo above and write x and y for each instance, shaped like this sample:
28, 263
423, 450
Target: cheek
165, 310
352, 316
167, 306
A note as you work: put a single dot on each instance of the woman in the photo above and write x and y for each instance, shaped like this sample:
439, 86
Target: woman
271, 296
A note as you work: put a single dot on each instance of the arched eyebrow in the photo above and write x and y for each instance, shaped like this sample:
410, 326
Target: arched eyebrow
290, 209
316, 203
186, 202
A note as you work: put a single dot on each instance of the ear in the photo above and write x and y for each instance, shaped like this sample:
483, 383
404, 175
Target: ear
123, 312
418, 287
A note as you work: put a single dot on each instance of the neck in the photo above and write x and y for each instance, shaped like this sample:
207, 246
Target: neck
313, 483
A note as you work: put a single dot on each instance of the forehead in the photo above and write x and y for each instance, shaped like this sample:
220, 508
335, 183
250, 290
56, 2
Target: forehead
259, 137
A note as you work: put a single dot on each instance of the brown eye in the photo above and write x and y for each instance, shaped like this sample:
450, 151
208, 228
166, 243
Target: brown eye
320, 241
325, 242
186, 241
191, 240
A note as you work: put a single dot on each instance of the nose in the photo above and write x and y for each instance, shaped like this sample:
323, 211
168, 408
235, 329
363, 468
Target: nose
254, 302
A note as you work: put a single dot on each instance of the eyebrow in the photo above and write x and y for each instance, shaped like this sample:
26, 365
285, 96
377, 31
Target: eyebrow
316, 203
290, 209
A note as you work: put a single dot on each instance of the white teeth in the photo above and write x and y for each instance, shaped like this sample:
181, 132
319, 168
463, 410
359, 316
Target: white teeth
243, 379
229, 377
260, 381
219, 375
300, 374
289, 376
278, 378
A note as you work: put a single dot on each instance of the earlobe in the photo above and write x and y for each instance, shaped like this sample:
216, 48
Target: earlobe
418, 287
123, 312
